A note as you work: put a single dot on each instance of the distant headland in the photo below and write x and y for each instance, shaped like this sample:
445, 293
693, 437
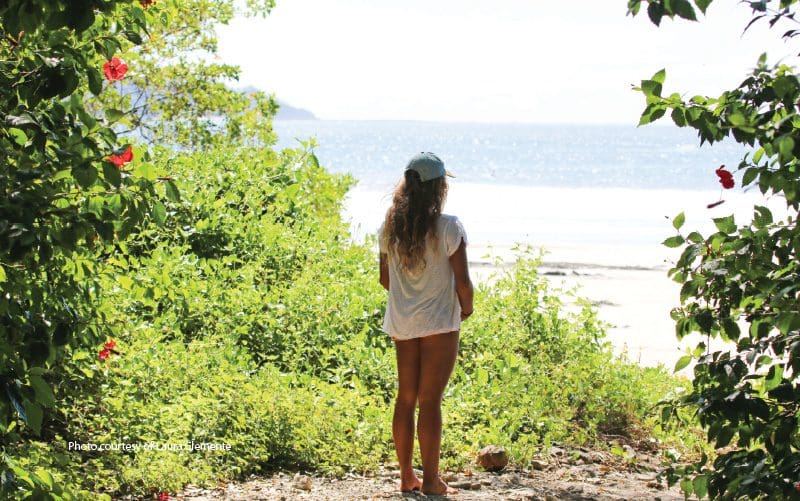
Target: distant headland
286, 111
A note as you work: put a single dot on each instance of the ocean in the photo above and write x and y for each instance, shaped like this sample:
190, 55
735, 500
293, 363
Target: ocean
571, 156
545, 185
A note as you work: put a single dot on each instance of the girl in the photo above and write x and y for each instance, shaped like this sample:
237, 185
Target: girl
423, 265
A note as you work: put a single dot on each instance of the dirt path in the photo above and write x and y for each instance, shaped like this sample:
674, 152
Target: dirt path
570, 475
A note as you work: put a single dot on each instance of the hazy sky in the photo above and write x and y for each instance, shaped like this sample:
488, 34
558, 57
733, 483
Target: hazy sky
490, 60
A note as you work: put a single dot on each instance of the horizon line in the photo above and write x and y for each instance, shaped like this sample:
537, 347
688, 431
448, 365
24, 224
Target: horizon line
633, 123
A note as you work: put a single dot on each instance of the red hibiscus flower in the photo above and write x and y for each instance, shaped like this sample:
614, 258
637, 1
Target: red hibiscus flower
110, 344
104, 353
163, 496
121, 159
147, 3
114, 69
725, 177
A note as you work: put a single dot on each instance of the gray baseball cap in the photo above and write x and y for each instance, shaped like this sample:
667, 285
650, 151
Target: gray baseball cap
428, 166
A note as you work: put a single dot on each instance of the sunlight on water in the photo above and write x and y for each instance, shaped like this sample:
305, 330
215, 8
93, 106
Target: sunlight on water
520, 154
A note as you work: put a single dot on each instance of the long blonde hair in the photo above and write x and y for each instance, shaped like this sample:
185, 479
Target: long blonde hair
416, 206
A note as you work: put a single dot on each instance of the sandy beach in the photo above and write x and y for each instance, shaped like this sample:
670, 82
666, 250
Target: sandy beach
606, 242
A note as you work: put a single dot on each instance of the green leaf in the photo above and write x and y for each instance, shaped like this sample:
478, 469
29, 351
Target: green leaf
726, 224
678, 117
702, 5
85, 175
774, 377
111, 174
678, 221
45, 477
114, 204
730, 329
133, 36
737, 119
684, 9
2, 274
700, 486
79, 18
18, 136
481, 377
749, 175
44, 395
109, 46
687, 487
758, 155
655, 12
34, 415
62, 333
95, 82
159, 213
673, 242
788, 322
785, 146
763, 216
695, 237
705, 320
724, 437
86, 118
683, 362
784, 85
114, 115
145, 170
666, 413
21, 474
651, 88
313, 160
659, 76
634, 6
171, 191
783, 392
651, 114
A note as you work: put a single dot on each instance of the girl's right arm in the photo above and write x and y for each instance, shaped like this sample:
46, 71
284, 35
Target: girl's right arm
384, 273
464, 288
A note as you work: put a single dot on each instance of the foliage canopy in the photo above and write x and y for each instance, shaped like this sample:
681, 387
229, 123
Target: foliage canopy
742, 283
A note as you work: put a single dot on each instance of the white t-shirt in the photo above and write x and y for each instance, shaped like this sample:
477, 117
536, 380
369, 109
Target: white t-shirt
425, 302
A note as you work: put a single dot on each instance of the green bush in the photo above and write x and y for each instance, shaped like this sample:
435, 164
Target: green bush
741, 275
531, 373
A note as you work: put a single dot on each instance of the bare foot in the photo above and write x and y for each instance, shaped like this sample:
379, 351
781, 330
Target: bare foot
440, 489
410, 483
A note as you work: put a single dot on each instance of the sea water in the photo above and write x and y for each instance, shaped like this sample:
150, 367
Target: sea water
571, 156
547, 185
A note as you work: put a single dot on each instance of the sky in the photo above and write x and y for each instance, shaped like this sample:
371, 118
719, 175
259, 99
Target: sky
531, 61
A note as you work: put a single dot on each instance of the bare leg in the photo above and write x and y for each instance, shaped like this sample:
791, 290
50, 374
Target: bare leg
404, 408
437, 359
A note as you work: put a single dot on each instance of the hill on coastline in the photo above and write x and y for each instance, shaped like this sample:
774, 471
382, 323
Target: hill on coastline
286, 111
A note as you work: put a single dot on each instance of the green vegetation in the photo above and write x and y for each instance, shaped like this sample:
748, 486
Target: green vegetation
742, 275
177, 90
199, 286
249, 318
